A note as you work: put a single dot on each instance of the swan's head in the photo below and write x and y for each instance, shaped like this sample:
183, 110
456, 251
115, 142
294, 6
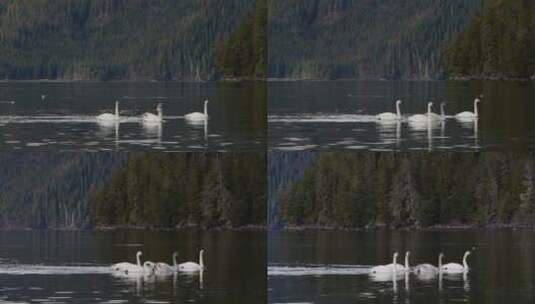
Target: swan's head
201, 252
407, 254
477, 100
442, 104
139, 254
441, 255
206, 102
175, 255
430, 104
466, 254
395, 255
398, 102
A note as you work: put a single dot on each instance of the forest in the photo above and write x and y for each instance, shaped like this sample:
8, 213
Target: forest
499, 43
184, 189
116, 39
391, 39
146, 190
415, 190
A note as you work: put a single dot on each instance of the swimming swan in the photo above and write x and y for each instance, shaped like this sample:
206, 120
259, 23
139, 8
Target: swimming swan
153, 118
456, 268
389, 115
422, 117
164, 268
147, 267
109, 116
196, 116
192, 266
425, 270
469, 115
392, 267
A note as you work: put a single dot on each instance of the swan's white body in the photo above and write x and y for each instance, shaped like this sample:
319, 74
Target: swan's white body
197, 116
110, 116
152, 118
128, 268
389, 116
455, 267
192, 266
466, 115
393, 267
422, 117
428, 270
164, 268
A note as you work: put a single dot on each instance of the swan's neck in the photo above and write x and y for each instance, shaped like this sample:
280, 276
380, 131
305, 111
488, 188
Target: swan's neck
475, 108
205, 108
439, 263
428, 110
160, 113
138, 260
117, 110
442, 112
465, 264
406, 261
398, 110
201, 263
174, 260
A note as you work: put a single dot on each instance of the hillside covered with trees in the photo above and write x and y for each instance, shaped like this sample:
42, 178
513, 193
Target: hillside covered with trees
115, 39
498, 43
388, 39
152, 190
417, 189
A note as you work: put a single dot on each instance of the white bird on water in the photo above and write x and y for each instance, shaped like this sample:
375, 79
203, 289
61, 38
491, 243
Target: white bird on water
455, 267
110, 116
389, 116
192, 266
151, 118
198, 116
467, 115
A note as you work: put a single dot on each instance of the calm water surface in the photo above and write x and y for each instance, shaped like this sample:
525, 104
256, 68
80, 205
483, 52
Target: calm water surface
332, 267
73, 267
66, 118
337, 115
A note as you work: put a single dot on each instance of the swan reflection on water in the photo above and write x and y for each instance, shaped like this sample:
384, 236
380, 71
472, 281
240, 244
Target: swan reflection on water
150, 281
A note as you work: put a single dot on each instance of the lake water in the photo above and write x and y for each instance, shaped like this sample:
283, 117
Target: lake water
332, 267
73, 267
66, 118
333, 115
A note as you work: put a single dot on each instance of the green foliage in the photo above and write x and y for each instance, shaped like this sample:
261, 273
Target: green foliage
389, 39
183, 189
114, 39
498, 43
244, 53
355, 190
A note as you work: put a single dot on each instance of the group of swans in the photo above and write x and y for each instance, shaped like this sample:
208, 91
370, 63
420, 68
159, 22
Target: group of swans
429, 115
160, 268
424, 270
151, 118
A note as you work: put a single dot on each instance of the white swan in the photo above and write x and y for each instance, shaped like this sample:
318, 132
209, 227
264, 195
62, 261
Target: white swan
125, 267
393, 267
109, 116
469, 115
192, 266
428, 270
152, 118
455, 267
390, 115
196, 116
164, 268
422, 117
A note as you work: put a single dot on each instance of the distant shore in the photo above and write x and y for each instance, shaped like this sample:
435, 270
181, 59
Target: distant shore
146, 228
438, 227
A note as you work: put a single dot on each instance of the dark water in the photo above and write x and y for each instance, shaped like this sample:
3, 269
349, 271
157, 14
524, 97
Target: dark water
340, 115
331, 267
73, 267
65, 119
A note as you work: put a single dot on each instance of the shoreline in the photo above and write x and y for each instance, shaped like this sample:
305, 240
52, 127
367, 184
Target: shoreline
438, 227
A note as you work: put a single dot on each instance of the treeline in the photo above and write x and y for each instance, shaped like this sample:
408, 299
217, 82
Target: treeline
184, 189
114, 39
51, 190
388, 39
244, 53
498, 43
417, 189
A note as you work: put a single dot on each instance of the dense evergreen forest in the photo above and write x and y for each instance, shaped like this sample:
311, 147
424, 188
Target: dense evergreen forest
498, 43
115, 39
184, 189
388, 39
417, 189
51, 190
83, 190
244, 53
